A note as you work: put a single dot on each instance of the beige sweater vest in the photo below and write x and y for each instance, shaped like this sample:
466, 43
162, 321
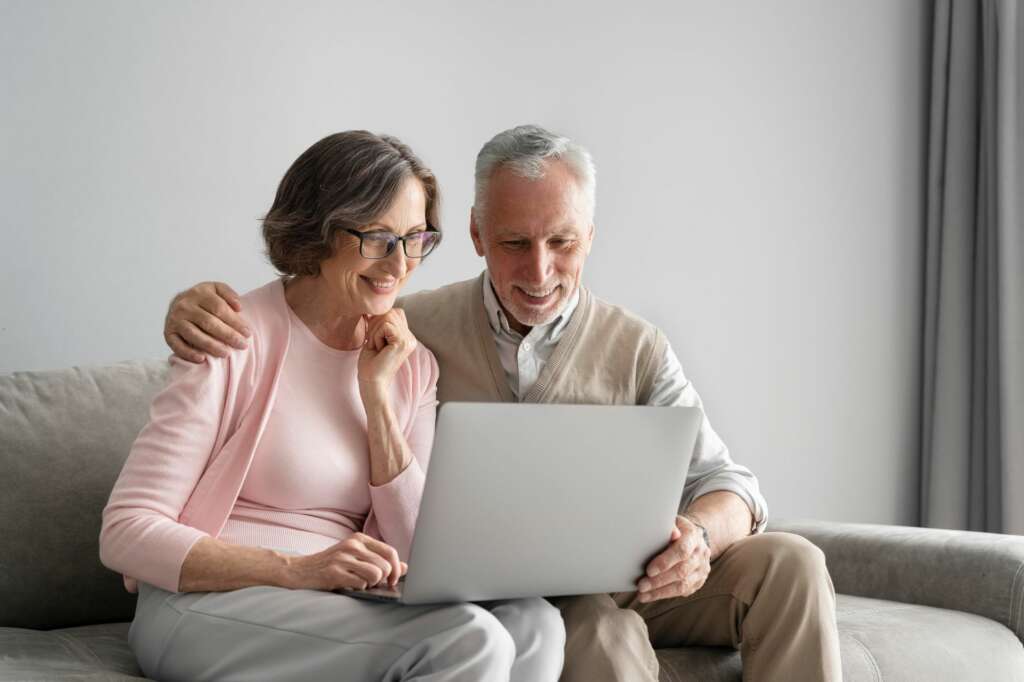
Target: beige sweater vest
606, 355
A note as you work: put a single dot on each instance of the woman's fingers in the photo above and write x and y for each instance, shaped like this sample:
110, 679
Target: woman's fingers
382, 331
368, 574
386, 552
388, 343
389, 330
382, 564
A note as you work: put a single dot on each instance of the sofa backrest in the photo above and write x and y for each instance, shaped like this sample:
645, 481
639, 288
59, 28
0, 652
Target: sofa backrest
64, 436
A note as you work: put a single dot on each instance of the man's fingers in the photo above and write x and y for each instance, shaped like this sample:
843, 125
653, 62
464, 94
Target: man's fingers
199, 340
670, 557
667, 592
229, 295
213, 324
673, 574
182, 349
222, 310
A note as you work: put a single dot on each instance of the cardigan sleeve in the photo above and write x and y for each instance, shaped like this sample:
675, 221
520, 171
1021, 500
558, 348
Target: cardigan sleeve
395, 505
140, 535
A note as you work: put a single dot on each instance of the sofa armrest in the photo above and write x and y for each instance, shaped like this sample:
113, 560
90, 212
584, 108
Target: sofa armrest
980, 573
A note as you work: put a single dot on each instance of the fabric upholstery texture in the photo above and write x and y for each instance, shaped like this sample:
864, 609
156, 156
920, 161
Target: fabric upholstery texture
63, 438
880, 640
884, 640
980, 573
92, 653
934, 605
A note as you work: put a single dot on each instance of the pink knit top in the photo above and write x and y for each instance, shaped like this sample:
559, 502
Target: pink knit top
189, 470
309, 483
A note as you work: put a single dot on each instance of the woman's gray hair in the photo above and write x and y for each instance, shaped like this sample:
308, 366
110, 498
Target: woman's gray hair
524, 149
344, 181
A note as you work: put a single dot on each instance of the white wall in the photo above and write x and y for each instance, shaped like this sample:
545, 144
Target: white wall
760, 181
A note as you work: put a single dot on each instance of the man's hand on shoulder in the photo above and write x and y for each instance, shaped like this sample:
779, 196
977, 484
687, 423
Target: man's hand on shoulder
205, 320
682, 568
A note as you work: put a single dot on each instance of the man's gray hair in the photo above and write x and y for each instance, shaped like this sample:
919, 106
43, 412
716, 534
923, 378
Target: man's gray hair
524, 150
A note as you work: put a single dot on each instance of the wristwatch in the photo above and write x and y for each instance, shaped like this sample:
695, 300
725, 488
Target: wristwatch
703, 530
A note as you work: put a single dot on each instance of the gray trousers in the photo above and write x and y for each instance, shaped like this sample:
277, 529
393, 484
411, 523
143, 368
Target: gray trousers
270, 633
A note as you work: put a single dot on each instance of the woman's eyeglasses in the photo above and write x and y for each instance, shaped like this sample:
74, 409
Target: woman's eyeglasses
380, 243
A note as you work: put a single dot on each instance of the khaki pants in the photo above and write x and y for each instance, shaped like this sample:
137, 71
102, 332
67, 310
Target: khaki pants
770, 596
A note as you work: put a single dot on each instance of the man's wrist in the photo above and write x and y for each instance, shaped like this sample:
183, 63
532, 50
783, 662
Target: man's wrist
695, 520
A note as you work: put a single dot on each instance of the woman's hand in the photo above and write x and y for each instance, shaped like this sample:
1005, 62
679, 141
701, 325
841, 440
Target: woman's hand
358, 562
388, 344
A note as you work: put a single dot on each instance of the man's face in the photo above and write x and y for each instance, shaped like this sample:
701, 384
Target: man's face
535, 236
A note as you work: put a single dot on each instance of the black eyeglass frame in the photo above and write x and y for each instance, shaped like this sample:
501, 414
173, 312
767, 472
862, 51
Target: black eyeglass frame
392, 243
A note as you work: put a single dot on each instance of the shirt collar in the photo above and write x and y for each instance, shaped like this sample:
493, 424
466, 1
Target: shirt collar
498, 320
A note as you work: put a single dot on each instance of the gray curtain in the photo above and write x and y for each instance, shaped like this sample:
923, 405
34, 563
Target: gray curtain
972, 418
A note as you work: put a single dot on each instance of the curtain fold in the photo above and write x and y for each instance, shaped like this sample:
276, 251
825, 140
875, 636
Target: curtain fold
972, 400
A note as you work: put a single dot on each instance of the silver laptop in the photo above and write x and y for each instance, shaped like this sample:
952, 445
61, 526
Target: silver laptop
525, 500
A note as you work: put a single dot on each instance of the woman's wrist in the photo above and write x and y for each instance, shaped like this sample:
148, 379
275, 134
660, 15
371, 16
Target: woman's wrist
216, 566
374, 394
284, 571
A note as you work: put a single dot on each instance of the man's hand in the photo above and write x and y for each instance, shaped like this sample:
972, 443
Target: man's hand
681, 569
204, 320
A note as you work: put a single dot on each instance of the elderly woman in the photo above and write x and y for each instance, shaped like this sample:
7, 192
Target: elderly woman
267, 479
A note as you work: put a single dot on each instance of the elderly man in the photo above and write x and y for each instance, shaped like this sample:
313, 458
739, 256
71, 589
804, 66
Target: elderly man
526, 330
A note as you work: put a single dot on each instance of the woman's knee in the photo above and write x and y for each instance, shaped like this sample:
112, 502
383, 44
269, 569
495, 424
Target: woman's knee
482, 632
538, 632
532, 620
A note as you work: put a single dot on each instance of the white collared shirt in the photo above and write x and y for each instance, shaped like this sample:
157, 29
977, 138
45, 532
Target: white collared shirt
523, 359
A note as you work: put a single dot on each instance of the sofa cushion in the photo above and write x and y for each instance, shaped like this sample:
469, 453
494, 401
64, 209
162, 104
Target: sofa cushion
91, 653
879, 640
64, 436
884, 640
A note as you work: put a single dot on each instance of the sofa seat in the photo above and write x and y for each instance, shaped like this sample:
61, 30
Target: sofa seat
884, 640
880, 640
92, 653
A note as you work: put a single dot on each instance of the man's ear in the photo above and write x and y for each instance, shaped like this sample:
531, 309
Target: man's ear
474, 233
590, 238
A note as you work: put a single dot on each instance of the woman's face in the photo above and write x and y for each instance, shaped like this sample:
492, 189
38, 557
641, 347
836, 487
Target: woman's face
365, 286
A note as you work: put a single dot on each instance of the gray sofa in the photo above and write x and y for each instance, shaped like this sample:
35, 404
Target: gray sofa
914, 604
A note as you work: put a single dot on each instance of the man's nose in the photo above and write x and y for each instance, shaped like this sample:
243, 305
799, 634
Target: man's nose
538, 267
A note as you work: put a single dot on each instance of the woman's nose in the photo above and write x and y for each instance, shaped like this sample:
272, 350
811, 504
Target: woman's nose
396, 262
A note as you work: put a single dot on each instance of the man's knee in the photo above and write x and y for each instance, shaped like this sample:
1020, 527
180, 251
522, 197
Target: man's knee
595, 619
796, 559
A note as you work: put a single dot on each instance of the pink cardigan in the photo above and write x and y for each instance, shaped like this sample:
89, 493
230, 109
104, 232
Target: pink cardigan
186, 468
